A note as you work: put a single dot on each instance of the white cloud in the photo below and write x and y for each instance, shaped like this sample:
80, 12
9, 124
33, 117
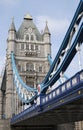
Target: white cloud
55, 25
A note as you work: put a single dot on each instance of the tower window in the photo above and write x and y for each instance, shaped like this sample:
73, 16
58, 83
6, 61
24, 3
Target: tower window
27, 37
40, 69
32, 47
27, 46
30, 83
36, 47
19, 67
29, 67
22, 46
32, 37
32, 67
37, 37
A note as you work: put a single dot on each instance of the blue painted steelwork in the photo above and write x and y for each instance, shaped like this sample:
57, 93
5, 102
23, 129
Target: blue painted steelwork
56, 68
75, 22
50, 59
68, 58
60, 95
50, 62
64, 88
56, 98
20, 85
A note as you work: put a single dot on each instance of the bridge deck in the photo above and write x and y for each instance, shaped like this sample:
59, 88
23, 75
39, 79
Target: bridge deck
63, 108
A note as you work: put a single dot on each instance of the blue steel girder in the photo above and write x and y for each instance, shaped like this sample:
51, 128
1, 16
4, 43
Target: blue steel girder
50, 62
25, 93
58, 98
50, 59
75, 22
68, 58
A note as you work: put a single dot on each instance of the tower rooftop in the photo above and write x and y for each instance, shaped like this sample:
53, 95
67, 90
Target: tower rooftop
28, 17
24, 28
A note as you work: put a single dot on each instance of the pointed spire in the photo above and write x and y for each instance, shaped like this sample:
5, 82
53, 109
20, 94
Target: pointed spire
12, 26
12, 31
46, 30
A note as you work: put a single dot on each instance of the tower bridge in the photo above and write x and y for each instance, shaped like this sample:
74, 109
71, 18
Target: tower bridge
29, 96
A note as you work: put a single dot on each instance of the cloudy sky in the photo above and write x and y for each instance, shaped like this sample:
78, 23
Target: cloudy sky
58, 13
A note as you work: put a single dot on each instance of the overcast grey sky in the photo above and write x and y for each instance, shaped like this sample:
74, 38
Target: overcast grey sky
58, 13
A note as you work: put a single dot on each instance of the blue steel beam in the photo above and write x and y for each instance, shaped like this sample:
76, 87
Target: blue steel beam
18, 80
76, 20
50, 62
46, 83
71, 53
55, 100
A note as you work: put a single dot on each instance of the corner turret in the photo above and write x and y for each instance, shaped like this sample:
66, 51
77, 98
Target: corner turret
12, 31
46, 35
11, 38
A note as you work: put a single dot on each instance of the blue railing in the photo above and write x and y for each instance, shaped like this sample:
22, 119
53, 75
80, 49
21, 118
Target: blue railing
23, 113
21, 88
67, 87
61, 91
64, 88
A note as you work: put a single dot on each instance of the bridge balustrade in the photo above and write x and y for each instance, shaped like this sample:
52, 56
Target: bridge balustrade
64, 88
60, 91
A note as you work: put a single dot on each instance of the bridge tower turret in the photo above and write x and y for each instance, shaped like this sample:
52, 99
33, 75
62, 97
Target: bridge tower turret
11, 38
31, 49
47, 41
46, 35
11, 42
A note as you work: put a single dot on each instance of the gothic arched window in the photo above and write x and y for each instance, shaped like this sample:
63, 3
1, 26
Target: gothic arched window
19, 67
32, 37
29, 67
40, 68
22, 46
32, 67
27, 46
37, 37
32, 47
27, 37
36, 47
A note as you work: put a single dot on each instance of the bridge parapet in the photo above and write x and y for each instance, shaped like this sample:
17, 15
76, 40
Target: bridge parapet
67, 92
64, 88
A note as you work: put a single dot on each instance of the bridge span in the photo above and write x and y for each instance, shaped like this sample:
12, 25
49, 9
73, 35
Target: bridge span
25, 100
62, 105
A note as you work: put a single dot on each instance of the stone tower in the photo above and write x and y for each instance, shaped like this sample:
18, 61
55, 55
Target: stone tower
30, 49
